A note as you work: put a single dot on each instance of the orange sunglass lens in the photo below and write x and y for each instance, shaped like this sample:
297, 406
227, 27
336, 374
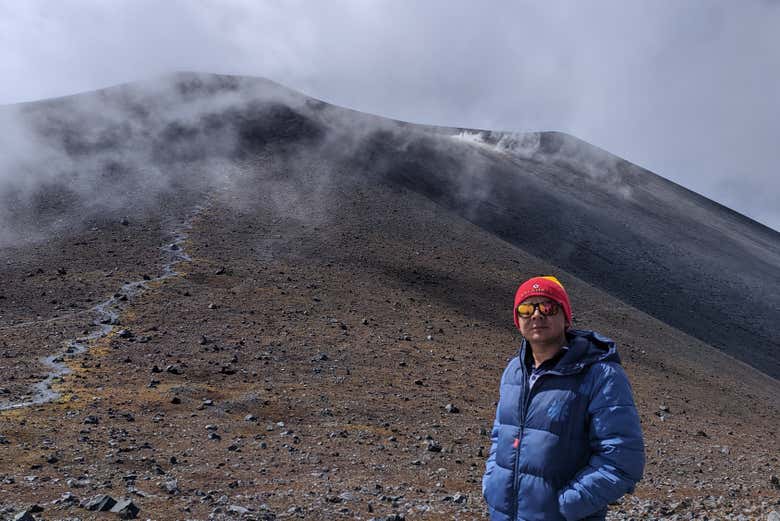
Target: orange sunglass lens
545, 308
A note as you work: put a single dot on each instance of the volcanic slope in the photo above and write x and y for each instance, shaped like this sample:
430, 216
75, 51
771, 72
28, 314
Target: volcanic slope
300, 363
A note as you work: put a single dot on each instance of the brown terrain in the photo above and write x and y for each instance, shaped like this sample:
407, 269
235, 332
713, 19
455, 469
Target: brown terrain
329, 348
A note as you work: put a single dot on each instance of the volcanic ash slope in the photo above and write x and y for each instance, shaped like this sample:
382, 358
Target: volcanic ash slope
334, 344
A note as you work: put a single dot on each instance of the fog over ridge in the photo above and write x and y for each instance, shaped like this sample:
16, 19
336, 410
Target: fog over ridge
686, 90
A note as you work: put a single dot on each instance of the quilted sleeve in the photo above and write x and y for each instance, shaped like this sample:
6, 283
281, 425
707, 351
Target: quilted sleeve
491, 460
617, 458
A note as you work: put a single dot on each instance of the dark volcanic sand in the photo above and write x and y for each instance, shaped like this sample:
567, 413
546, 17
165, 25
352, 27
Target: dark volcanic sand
319, 319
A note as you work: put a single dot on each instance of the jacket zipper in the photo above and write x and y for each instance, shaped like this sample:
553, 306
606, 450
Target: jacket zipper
523, 410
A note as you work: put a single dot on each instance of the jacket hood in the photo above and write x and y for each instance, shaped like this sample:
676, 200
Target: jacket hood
585, 348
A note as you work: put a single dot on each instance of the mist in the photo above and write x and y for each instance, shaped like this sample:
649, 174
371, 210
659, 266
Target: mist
684, 90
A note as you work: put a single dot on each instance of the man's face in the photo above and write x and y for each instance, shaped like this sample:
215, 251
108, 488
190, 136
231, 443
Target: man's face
542, 329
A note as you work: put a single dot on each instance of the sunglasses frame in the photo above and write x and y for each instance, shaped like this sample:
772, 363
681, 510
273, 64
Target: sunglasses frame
556, 308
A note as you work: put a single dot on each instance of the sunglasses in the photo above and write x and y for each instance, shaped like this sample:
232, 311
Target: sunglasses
548, 308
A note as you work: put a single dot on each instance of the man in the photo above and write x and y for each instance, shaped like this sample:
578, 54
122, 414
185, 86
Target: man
566, 438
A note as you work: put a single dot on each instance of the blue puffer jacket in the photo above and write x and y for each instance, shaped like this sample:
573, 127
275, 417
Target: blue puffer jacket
570, 445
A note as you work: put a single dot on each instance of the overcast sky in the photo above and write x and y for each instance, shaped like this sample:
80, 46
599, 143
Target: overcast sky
687, 89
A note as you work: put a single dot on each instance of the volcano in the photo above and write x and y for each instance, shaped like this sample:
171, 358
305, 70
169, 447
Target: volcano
224, 299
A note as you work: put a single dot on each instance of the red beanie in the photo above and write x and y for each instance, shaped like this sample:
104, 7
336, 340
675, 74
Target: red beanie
548, 287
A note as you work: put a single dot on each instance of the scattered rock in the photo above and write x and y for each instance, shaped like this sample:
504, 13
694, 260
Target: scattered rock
91, 420
101, 503
125, 508
452, 409
66, 499
25, 515
171, 486
433, 446
125, 333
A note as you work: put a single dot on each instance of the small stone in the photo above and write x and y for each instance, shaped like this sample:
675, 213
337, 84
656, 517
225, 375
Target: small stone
124, 222
173, 369
25, 515
125, 333
176, 400
66, 499
126, 509
773, 516
460, 498
663, 408
452, 409
236, 509
774, 480
91, 420
214, 436
433, 446
171, 486
250, 418
101, 503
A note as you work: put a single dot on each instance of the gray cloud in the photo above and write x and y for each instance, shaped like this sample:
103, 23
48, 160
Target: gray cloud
687, 90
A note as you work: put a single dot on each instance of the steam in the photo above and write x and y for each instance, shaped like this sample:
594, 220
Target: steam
66, 161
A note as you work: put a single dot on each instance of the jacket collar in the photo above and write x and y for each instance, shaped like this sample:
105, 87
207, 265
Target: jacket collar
585, 348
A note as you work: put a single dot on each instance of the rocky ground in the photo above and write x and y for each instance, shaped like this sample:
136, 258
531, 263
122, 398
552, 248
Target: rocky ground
317, 360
